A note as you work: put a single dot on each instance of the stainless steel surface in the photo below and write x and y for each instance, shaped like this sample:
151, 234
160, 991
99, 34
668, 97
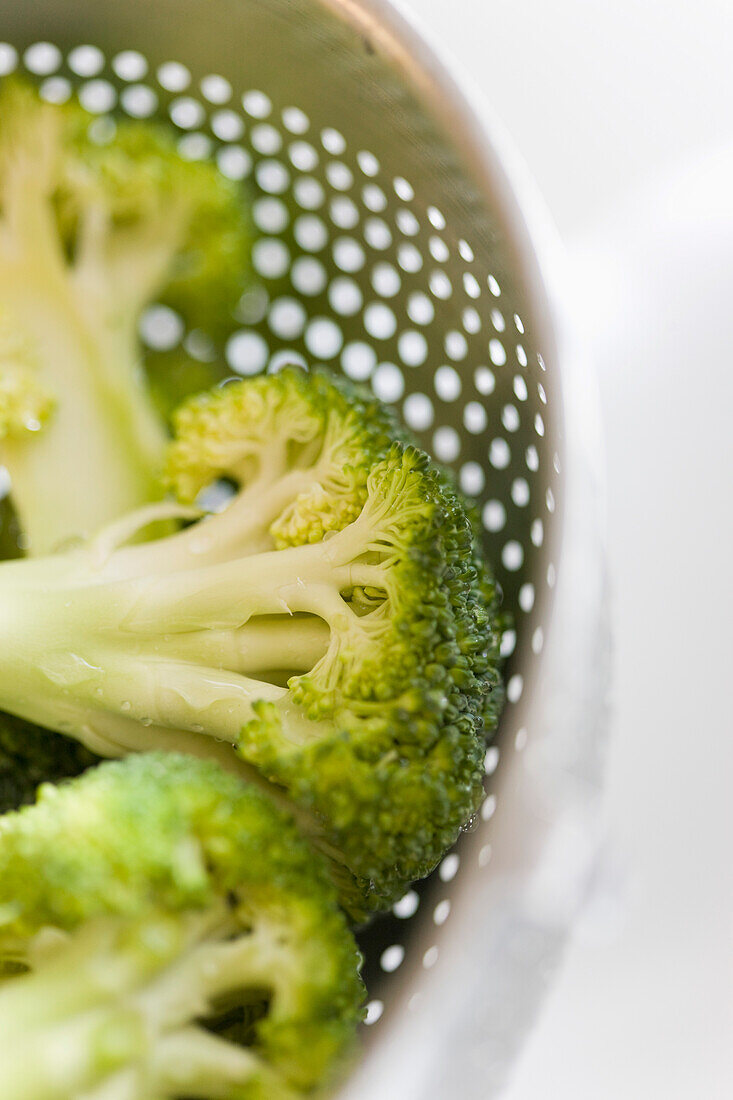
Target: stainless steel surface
402, 244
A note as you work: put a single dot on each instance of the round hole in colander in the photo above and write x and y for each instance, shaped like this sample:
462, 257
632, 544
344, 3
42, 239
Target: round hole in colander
360, 268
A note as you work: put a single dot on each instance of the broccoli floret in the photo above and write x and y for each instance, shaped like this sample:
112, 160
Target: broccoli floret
146, 897
95, 224
332, 623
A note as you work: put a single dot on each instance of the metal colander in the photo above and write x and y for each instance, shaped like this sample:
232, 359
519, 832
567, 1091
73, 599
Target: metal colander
397, 244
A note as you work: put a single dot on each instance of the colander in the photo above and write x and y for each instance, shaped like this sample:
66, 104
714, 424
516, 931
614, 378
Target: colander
400, 243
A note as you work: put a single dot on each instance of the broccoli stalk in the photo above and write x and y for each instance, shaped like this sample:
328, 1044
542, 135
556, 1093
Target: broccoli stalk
145, 898
333, 624
91, 232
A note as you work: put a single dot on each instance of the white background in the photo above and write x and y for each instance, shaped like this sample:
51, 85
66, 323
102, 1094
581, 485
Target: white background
624, 112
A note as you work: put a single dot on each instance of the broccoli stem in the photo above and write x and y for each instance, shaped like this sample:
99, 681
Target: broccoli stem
63, 1059
116, 700
242, 528
122, 1086
101, 453
260, 646
205, 1067
114, 735
183, 652
218, 597
180, 697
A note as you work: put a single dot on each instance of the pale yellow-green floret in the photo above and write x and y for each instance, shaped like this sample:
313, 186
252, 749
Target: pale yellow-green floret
96, 224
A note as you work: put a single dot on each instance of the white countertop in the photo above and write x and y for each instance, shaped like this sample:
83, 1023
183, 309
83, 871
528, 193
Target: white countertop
624, 113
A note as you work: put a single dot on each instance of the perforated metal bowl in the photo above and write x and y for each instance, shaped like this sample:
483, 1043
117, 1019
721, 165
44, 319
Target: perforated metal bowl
401, 244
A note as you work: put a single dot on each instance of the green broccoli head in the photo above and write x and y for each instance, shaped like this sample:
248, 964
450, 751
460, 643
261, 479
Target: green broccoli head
159, 892
382, 739
307, 441
97, 222
334, 623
